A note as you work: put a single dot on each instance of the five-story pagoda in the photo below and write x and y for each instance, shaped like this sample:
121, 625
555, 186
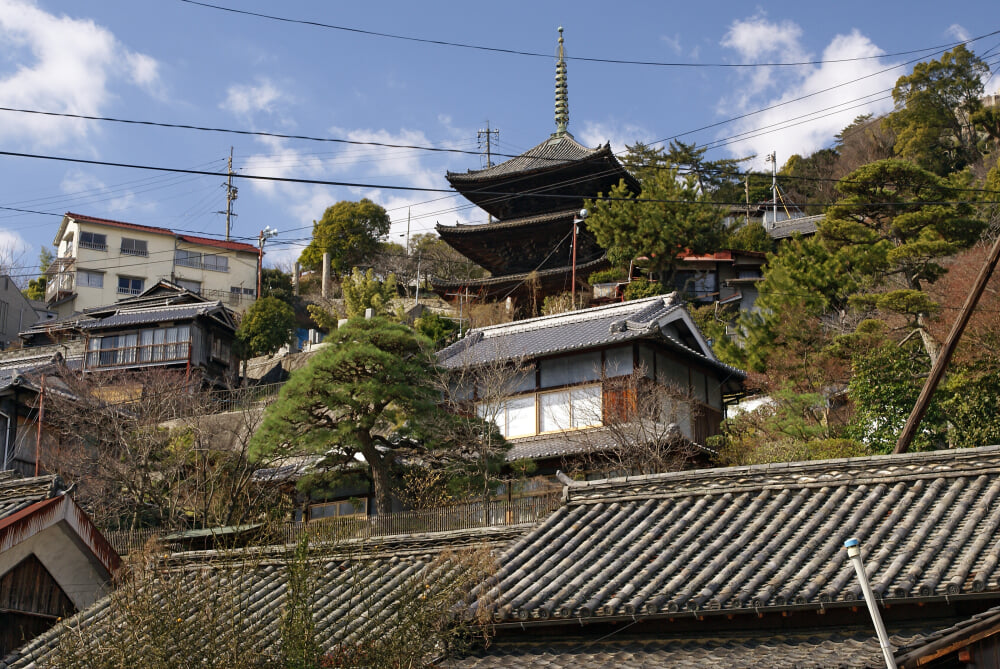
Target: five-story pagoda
534, 198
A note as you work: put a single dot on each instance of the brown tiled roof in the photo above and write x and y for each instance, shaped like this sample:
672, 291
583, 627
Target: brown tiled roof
191, 239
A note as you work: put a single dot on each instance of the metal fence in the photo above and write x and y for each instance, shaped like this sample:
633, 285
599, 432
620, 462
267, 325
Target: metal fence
470, 515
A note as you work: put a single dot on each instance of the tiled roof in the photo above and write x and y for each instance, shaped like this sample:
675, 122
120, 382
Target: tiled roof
768, 537
552, 152
18, 493
804, 225
804, 649
986, 622
359, 589
514, 223
161, 314
581, 268
576, 330
117, 224
219, 243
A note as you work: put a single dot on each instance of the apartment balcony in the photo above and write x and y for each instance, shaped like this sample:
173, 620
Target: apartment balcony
61, 275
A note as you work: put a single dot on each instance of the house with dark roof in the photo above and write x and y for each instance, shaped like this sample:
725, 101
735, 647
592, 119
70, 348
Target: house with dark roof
99, 261
53, 561
16, 312
739, 567
565, 396
165, 327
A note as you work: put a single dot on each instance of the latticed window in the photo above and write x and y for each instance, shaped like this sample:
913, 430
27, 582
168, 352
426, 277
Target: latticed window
93, 240
134, 247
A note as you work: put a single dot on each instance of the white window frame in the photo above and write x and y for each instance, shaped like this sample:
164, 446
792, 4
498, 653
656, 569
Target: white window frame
134, 247
94, 279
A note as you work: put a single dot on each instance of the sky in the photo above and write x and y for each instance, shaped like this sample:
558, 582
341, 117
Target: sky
418, 76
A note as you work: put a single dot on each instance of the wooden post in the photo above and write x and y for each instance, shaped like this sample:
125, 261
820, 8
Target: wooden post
937, 371
295, 279
41, 417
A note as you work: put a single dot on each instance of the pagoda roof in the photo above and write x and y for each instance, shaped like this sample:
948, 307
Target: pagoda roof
554, 151
550, 281
522, 244
558, 174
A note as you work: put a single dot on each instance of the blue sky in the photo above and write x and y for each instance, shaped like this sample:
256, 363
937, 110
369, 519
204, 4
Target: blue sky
175, 62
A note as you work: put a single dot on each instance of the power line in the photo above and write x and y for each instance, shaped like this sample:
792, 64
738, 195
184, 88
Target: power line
535, 54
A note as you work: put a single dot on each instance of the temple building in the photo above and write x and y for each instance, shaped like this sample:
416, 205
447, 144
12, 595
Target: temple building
532, 200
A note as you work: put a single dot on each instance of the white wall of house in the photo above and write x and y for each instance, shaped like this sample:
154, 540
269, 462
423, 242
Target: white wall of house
106, 263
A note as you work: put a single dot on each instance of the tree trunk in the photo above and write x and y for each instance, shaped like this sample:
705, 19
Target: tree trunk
379, 468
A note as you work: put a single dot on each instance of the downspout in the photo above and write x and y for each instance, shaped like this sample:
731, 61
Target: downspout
6, 440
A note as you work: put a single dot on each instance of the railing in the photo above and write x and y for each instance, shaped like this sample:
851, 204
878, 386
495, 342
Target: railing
139, 353
125, 251
122, 290
93, 245
242, 398
470, 515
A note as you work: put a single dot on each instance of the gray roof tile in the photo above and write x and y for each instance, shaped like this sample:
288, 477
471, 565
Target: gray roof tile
764, 537
805, 649
19, 493
577, 330
552, 152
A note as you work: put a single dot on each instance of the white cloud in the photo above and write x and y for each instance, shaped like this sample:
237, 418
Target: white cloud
362, 164
243, 99
802, 126
595, 134
83, 189
958, 32
672, 41
757, 40
61, 64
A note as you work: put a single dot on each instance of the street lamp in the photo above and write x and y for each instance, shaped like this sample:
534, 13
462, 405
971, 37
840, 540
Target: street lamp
265, 234
577, 220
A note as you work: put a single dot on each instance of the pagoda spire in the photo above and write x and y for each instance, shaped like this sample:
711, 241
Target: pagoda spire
562, 92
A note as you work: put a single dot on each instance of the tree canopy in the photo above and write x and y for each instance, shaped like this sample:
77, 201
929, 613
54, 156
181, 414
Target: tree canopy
671, 216
266, 326
371, 385
933, 106
350, 232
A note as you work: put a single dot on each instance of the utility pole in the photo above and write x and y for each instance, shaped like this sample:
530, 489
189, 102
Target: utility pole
746, 190
231, 193
484, 137
937, 370
773, 159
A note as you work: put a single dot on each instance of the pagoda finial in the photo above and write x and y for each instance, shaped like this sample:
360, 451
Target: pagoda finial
562, 93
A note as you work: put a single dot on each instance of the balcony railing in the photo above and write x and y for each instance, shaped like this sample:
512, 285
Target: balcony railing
125, 251
93, 245
122, 290
139, 354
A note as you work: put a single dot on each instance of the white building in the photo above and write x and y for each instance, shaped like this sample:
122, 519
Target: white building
100, 261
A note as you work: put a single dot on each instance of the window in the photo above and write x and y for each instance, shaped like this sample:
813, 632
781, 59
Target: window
89, 279
159, 345
570, 409
187, 258
515, 417
4, 307
215, 263
347, 507
193, 286
129, 285
134, 247
570, 369
93, 240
